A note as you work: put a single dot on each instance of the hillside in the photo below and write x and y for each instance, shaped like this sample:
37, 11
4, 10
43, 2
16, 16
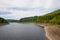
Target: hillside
53, 18
29, 19
3, 21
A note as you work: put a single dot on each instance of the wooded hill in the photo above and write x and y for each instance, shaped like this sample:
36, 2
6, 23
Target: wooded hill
52, 17
3, 21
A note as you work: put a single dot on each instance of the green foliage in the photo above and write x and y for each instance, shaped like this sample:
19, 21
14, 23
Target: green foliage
29, 19
53, 18
2, 20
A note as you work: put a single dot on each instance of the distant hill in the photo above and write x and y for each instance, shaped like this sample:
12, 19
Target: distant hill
12, 20
3, 21
52, 17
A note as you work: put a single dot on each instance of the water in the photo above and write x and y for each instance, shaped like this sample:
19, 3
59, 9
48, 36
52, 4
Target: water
27, 31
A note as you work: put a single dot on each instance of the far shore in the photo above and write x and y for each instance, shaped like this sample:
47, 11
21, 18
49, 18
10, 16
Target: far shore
51, 31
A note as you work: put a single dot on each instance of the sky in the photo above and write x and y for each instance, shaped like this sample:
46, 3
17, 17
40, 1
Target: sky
17, 9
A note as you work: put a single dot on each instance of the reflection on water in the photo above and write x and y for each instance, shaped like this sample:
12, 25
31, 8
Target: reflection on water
15, 31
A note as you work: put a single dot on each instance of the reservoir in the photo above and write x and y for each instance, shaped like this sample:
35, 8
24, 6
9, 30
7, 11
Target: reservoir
22, 31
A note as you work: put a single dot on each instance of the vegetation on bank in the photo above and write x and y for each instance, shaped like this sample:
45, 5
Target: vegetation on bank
12, 20
53, 18
3, 21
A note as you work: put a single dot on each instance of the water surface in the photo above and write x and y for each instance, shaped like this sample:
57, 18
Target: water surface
26, 31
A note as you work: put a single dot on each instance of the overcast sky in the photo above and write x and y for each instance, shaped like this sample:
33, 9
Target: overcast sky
16, 9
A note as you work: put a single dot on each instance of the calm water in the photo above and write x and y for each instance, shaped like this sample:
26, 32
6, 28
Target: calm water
15, 31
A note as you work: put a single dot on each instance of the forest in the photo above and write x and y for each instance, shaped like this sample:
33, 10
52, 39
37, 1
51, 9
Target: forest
52, 18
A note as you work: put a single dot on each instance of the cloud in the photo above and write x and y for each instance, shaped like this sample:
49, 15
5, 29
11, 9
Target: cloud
56, 4
26, 3
20, 14
17, 9
20, 3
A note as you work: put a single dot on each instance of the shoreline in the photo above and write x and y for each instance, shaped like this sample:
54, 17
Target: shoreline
48, 32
